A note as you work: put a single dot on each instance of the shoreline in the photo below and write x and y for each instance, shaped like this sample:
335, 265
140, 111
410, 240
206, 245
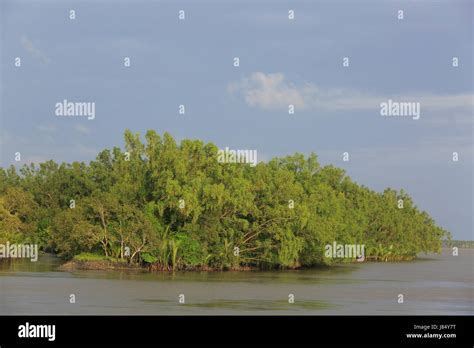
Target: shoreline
116, 265
75, 265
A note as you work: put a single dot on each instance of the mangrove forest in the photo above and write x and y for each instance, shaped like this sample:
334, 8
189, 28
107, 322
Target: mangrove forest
174, 206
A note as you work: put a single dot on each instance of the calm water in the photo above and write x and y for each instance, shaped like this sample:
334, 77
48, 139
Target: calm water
434, 284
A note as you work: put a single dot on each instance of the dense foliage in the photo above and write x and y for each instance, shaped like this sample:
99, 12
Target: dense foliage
175, 206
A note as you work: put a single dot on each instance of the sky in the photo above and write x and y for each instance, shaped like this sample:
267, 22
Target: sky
283, 61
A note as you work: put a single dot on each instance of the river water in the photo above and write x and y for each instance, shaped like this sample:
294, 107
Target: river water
432, 284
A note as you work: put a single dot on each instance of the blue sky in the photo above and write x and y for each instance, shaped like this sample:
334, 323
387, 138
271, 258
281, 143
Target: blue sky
282, 61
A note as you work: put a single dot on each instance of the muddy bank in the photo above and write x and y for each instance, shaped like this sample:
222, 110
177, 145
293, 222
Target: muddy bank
111, 265
98, 265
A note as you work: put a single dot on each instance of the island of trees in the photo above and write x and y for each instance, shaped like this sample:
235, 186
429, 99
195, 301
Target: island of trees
173, 206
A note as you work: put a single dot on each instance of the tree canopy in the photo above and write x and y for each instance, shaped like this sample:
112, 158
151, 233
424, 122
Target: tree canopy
176, 207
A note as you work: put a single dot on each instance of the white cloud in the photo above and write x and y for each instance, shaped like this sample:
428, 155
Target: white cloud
269, 91
272, 91
29, 46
